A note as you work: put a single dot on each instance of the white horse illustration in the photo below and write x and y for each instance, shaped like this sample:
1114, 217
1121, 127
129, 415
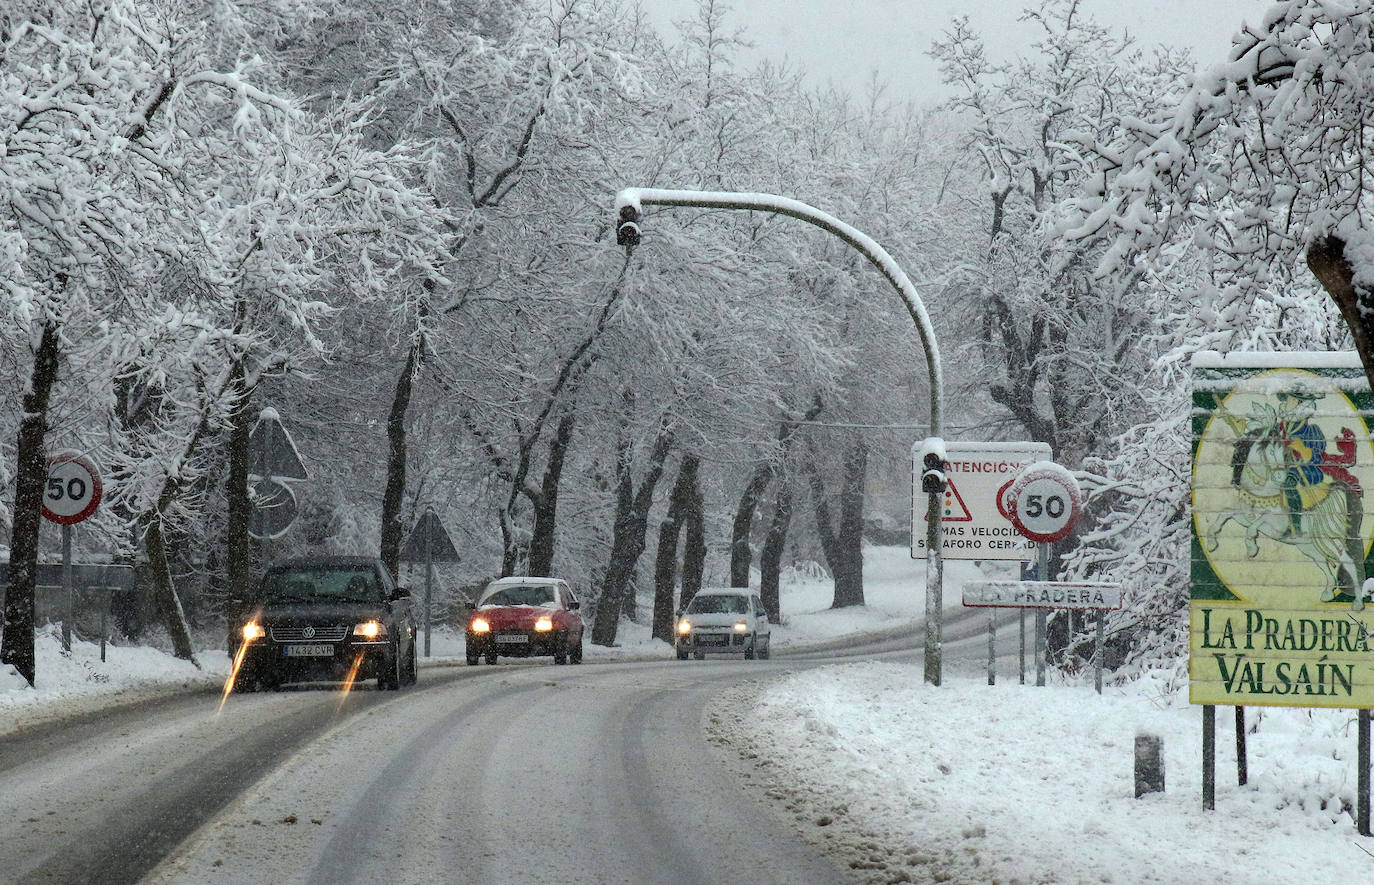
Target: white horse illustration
1331, 518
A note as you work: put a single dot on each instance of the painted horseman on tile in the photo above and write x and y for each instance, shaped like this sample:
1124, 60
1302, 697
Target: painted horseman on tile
1295, 490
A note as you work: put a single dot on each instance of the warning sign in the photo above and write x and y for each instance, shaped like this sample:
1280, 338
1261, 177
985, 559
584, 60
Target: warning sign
973, 525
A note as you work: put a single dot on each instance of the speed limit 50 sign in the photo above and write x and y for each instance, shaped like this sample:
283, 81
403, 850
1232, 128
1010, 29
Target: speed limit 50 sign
1043, 502
73, 489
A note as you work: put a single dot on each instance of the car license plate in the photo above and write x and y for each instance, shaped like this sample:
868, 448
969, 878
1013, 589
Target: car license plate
512, 637
310, 651
712, 639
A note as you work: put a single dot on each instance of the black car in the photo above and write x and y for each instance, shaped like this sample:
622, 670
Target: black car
325, 618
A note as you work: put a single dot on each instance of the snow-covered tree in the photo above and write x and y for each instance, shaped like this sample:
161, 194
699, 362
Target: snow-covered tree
1257, 182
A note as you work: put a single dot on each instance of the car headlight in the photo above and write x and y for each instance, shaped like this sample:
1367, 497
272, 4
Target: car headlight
684, 627
740, 626
253, 630
369, 629
480, 626
543, 625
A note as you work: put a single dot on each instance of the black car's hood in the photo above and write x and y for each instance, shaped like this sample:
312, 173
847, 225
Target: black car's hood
302, 612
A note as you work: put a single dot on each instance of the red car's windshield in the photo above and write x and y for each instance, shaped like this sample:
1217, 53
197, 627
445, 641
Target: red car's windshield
537, 595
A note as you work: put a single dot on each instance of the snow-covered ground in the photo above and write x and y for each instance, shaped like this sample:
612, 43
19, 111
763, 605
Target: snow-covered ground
965, 782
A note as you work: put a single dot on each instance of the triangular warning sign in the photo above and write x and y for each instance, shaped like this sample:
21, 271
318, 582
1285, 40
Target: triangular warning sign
953, 506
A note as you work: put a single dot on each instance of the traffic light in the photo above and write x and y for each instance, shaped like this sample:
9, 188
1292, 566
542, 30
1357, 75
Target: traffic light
933, 474
627, 232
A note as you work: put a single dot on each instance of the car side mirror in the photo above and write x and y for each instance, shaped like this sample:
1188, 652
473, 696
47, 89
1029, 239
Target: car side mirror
469, 605
574, 606
400, 593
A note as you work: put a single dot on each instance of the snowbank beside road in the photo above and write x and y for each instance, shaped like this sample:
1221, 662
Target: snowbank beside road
968, 782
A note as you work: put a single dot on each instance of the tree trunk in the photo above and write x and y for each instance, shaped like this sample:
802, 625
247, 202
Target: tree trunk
665, 559
843, 543
627, 543
238, 565
770, 557
546, 507
1326, 259
165, 594
394, 496
694, 546
16, 641
742, 528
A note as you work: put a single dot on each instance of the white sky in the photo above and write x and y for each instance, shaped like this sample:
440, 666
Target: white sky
845, 41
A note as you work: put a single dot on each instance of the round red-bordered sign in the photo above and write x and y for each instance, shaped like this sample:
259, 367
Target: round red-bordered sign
1043, 502
73, 490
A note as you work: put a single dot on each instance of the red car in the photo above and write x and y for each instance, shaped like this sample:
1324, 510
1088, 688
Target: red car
521, 617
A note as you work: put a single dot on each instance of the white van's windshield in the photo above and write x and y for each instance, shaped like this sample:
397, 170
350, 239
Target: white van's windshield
718, 604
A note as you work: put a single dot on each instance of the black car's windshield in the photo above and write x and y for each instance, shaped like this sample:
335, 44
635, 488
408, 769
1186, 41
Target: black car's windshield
536, 595
322, 585
718, 604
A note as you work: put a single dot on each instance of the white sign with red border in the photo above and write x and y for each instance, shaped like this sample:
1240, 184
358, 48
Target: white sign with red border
973, 524
1043, 501
73, 490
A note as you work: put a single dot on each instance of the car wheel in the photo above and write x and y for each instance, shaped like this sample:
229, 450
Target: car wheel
560, 648
698, 655
575, 655
491, 657
766, 651
749, 652
473, 659
389, 678
682, 654
412, 667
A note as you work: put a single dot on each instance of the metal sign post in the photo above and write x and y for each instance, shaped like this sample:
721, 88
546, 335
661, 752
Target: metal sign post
1042, 623
429, 543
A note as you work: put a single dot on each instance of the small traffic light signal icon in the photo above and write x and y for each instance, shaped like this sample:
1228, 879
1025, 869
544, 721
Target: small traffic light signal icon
627, 231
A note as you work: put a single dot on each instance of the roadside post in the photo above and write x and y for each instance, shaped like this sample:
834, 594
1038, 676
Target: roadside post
429, 543
72, 494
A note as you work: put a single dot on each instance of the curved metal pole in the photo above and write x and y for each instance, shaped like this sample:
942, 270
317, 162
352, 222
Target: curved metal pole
877, 255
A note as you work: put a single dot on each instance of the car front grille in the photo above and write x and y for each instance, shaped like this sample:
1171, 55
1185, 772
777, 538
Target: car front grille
329, 633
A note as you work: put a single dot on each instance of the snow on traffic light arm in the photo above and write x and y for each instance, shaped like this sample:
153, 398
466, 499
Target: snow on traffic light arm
635, 198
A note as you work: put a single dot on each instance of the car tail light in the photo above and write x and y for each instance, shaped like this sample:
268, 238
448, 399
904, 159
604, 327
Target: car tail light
543, 625
480, 626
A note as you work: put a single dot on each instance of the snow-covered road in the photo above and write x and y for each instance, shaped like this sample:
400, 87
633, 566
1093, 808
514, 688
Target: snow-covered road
509, 774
